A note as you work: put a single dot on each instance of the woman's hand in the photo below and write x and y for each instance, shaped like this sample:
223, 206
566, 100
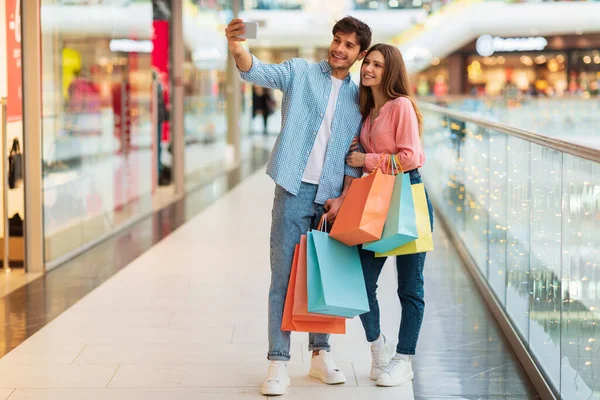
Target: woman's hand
354, 145
356, 159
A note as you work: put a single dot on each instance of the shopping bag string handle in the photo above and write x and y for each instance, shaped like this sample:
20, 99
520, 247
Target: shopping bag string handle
379, 162
396, 166
393, 165
323, 223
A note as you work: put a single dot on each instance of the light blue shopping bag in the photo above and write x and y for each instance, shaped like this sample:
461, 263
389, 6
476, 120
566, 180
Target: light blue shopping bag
401, 222
335, 281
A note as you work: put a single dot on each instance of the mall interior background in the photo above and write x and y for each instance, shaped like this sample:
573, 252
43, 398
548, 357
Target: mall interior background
111, 77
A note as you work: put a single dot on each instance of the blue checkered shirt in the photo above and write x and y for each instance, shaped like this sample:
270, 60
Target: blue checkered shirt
306, 88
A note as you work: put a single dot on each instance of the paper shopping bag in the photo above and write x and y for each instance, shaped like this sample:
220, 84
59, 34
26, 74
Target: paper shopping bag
363, 213
336, 284
401, 223
300, 311
316, 325
425, 240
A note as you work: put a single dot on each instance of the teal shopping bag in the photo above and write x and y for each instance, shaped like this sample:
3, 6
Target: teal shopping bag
335, 281
401, 222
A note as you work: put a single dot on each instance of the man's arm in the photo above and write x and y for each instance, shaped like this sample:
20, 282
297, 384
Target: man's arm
273, 76
347, 181
242, 58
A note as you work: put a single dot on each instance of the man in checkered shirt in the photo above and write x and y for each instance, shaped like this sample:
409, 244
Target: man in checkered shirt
320, 120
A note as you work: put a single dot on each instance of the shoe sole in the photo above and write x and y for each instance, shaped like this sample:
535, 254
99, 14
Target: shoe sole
275, 392
272, 394
318, 375
401, 381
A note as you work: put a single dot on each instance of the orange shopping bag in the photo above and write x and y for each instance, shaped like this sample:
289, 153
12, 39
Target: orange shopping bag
363, 213
306, 323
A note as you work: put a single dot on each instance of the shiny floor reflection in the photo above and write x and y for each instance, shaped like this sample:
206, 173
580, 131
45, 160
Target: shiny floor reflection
462, 352
26, 310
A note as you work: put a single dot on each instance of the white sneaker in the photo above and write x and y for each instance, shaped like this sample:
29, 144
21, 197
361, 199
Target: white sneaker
323, 367
379, 359
277, 381
396, 373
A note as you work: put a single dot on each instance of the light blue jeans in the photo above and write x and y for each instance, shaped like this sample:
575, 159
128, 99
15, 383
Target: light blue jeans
292, 217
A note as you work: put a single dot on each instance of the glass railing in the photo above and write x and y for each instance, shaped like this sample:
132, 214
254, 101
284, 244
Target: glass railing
527, 209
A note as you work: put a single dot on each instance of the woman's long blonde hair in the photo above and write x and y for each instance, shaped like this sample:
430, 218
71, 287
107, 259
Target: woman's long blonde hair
395, 82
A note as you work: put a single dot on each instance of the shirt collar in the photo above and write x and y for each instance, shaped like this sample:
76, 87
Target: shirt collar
326, 68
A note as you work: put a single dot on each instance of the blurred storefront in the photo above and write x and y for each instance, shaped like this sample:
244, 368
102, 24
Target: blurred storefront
104, 123
129, 113
12, 243
547, 66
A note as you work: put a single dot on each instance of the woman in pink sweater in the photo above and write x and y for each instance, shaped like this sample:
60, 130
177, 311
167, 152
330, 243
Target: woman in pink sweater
391, 127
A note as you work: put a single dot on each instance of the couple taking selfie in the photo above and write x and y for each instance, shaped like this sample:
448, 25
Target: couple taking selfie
332, 132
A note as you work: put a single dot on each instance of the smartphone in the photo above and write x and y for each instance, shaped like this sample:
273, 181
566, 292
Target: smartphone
251, 29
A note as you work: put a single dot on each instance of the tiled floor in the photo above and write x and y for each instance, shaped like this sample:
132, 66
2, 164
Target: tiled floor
24, 310
187, 320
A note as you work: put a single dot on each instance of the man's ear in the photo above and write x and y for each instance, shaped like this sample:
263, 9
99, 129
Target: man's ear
362, 55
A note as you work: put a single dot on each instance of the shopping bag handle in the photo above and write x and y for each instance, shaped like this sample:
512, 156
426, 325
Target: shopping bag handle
378, 163
323, 223
393, 165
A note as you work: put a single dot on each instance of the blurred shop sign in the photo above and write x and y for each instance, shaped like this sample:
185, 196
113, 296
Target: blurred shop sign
487, 45
14, 109
131, 46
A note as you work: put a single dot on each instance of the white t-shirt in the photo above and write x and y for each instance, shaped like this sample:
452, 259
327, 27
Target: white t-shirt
314, 167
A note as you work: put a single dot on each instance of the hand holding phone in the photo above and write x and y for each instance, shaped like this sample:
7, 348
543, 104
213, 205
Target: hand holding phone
250, 30
238, 31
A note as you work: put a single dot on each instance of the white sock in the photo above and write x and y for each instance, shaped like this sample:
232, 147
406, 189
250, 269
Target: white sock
379, 342
404, 357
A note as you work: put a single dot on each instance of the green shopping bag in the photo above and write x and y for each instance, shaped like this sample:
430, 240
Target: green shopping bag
335, 281
401, 222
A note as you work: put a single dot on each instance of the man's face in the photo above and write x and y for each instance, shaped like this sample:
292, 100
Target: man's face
344, 51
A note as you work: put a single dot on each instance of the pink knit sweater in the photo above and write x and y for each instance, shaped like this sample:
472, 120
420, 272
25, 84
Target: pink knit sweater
395, 131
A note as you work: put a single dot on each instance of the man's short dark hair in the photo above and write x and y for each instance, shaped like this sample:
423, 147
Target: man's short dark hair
353, 25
